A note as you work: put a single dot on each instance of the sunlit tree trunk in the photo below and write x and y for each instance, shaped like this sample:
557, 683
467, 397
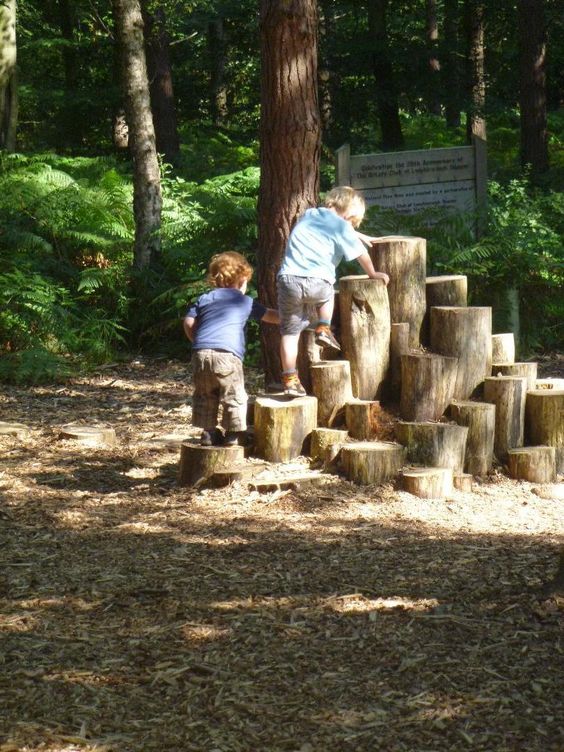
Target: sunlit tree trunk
157, 46
326, 72
451, 67
147, 199
476, 81
289, 140
386, 93
532, 49
217, 47
8, 84
434, 66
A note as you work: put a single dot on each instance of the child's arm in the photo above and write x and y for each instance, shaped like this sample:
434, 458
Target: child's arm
271, 316
366, 263
189, 323
366, 239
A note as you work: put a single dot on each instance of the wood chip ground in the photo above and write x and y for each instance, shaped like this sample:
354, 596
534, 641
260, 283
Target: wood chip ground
139, 616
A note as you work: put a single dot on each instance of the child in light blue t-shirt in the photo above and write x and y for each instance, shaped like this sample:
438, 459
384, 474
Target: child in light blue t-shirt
320, 240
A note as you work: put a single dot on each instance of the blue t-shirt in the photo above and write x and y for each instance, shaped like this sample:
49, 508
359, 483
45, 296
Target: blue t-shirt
221, 316
318, 243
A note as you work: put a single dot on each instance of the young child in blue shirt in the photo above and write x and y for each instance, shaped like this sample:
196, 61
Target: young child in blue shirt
317, 244
215, 324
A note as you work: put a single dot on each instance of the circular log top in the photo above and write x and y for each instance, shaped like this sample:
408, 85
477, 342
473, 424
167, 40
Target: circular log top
548, 393
362, 446
13, 429
444, 278
283, 400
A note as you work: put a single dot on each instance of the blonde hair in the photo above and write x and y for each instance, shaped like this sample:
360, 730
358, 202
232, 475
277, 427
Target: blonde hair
229, 269
347, 202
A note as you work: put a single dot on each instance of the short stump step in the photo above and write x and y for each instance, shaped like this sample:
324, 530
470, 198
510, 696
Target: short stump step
198, 463
372, 462
283, 425
14, 429
536, 464
91, 435
428, 482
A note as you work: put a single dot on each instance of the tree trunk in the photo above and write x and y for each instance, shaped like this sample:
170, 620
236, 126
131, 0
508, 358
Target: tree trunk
427, 385
534, 464
283, 427
363, 419
428, 482
322, 439
508, 394
8, 87
451, 66
528, 369
433, 63
71, 64
365, 333
331, 384
476, 81
386, 93
479, 417
399, 345
217, 47
290, 142
503, 348
198, 463
368, 462
545, 421
434, 444
157, 46
446, 290
147, 199
532, 99
327, 34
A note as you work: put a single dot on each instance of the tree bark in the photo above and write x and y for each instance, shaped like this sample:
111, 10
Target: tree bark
386, 93
322, 439
528, 369
475, 77
503, 348
508, 394
290, 142
532, 99
427, 385
479, 417
8, 84
433, 62
198, 463
428, 482
534, 464
331, 384
434, 444
446, 290
217, 47
363, 419
283, 426
545, 421
399, 345
157, 46
451, 67
368, 462
147, 199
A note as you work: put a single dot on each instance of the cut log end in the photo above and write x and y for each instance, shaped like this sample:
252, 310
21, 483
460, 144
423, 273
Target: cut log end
90, 435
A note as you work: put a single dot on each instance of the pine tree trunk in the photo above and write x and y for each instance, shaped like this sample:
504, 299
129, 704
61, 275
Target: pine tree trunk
386, 93
290, 137
451, 65
147, 199
433, 63
8, 88
476, 81
157, 45
532, 100
217, 48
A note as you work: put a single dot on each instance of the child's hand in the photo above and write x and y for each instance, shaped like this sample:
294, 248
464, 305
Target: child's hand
383, 276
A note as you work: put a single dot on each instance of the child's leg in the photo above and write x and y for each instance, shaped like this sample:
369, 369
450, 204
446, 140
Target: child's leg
325, 312
232, 395
289, 351
205, 403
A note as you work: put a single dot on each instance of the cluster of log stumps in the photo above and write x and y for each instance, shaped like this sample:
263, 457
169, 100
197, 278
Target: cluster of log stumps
418, 353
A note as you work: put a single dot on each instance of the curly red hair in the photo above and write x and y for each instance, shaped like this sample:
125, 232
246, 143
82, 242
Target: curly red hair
229, 269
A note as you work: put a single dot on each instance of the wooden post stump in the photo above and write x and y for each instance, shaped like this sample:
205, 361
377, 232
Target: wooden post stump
199, 463
14, 429
368, 462
537, 464
528, 370
464, 333
428, 482
322, 438
399, 345
308, 354
545, 421
508, 393
331, 384
363, 419
447, 290
365, 332
550, 383
404, 259
462, 482
282, 426
480, 419
503, 348
89, 435
427, 385
434, 444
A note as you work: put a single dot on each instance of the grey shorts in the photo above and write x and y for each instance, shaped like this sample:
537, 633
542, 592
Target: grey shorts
298, 297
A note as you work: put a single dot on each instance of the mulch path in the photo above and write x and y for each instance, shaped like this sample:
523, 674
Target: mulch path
138, 615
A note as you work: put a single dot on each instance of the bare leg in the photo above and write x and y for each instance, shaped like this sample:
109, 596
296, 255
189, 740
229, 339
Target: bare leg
289, 351
325, 310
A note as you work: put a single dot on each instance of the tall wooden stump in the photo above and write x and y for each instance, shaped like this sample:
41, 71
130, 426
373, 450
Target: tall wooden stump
308, 353
508, 394
365, 332
503, 348
404, 259
428, 482
363, 419
447, 290
464, 333
427, 385
331, 384
199, 463
528, 370
545, 421
536, 464
480, 419
282, 426
323, 438
368, 462
399, 345
434, 444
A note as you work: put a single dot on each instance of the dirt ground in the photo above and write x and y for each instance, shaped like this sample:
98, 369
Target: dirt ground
138, 615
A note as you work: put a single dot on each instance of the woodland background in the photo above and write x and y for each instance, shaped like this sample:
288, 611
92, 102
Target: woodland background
73, 291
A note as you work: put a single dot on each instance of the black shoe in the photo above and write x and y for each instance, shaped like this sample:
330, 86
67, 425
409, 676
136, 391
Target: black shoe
211, 438
235, 438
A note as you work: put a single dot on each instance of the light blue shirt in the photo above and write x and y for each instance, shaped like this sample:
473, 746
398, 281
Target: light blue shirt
318, 243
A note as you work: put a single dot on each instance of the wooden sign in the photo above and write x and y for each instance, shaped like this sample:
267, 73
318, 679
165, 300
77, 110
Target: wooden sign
452, 178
